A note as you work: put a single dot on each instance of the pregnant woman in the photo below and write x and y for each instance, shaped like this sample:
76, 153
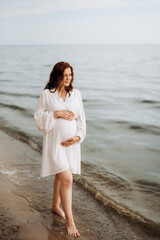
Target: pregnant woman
60, 116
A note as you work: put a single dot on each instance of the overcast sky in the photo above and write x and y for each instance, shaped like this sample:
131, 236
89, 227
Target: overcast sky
79, 21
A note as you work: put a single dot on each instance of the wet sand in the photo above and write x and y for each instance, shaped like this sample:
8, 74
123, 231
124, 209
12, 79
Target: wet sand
20, 220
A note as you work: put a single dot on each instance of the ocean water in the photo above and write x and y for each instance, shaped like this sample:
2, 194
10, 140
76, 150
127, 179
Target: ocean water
120, 86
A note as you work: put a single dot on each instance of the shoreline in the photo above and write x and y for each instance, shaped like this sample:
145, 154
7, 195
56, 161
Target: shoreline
94, 220
86, 179
118, 207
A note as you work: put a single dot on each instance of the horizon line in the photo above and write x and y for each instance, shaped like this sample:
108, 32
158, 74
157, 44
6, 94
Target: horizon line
71, 44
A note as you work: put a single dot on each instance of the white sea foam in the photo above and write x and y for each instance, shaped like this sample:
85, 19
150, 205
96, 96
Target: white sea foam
6, 172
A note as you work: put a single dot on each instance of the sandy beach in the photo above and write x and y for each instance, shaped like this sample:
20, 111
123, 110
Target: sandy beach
26, 216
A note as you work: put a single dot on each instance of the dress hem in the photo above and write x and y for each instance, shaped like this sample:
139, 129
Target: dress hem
53, 173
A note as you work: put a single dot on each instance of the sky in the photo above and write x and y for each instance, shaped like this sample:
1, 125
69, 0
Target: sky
43, 22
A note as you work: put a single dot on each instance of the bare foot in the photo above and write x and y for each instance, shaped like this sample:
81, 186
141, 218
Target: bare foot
71, 229
58, 211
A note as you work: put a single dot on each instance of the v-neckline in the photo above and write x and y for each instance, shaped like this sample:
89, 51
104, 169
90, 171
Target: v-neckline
61, 97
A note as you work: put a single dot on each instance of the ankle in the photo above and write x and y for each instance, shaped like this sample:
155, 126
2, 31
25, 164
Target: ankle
55, 206
69, 219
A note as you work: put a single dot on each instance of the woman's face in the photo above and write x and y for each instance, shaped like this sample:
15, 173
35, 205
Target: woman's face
67, 77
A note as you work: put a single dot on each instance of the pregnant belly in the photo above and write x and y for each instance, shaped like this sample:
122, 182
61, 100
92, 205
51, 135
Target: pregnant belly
65, 129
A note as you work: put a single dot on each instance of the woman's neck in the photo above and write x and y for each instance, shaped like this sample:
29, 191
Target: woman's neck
62, 90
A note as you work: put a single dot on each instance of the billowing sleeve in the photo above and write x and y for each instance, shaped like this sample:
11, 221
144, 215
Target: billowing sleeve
81, 121
44, 119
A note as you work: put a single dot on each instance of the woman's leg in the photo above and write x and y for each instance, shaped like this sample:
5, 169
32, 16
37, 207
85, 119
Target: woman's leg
66, 180
56, 198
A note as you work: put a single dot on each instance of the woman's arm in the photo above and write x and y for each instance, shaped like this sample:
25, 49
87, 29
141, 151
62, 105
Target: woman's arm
65, 114
44, 119
70, 141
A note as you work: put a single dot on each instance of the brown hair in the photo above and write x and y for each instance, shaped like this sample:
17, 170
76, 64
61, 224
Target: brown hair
56, 76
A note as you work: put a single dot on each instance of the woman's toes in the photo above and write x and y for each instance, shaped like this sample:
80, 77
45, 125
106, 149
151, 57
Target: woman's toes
72, 230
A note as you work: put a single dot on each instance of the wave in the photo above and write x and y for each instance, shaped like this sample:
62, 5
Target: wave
92, 179
48, 65
145, 128
150, 101
19, 94
20, 109
34, 96
22, 136
148, 186
5, 80
118, 206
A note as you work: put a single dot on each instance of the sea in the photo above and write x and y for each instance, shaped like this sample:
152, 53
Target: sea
120, 87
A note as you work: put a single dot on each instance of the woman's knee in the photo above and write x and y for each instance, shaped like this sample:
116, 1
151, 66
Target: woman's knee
66, 178
67, 181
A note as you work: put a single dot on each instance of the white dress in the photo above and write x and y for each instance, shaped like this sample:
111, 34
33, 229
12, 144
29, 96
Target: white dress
55, 157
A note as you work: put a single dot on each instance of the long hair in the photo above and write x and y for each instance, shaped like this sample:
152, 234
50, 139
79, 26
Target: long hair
56, 77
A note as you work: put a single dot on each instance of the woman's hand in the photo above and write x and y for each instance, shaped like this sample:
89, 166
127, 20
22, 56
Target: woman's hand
65, 114
70, 141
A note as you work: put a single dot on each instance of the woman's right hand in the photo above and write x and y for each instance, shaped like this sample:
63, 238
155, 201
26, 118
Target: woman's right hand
65, 114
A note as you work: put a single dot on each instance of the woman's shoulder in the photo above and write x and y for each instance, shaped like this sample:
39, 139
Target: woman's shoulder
47, 91
76, 91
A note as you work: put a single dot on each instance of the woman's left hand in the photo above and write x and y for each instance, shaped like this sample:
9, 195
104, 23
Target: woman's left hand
70, 141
